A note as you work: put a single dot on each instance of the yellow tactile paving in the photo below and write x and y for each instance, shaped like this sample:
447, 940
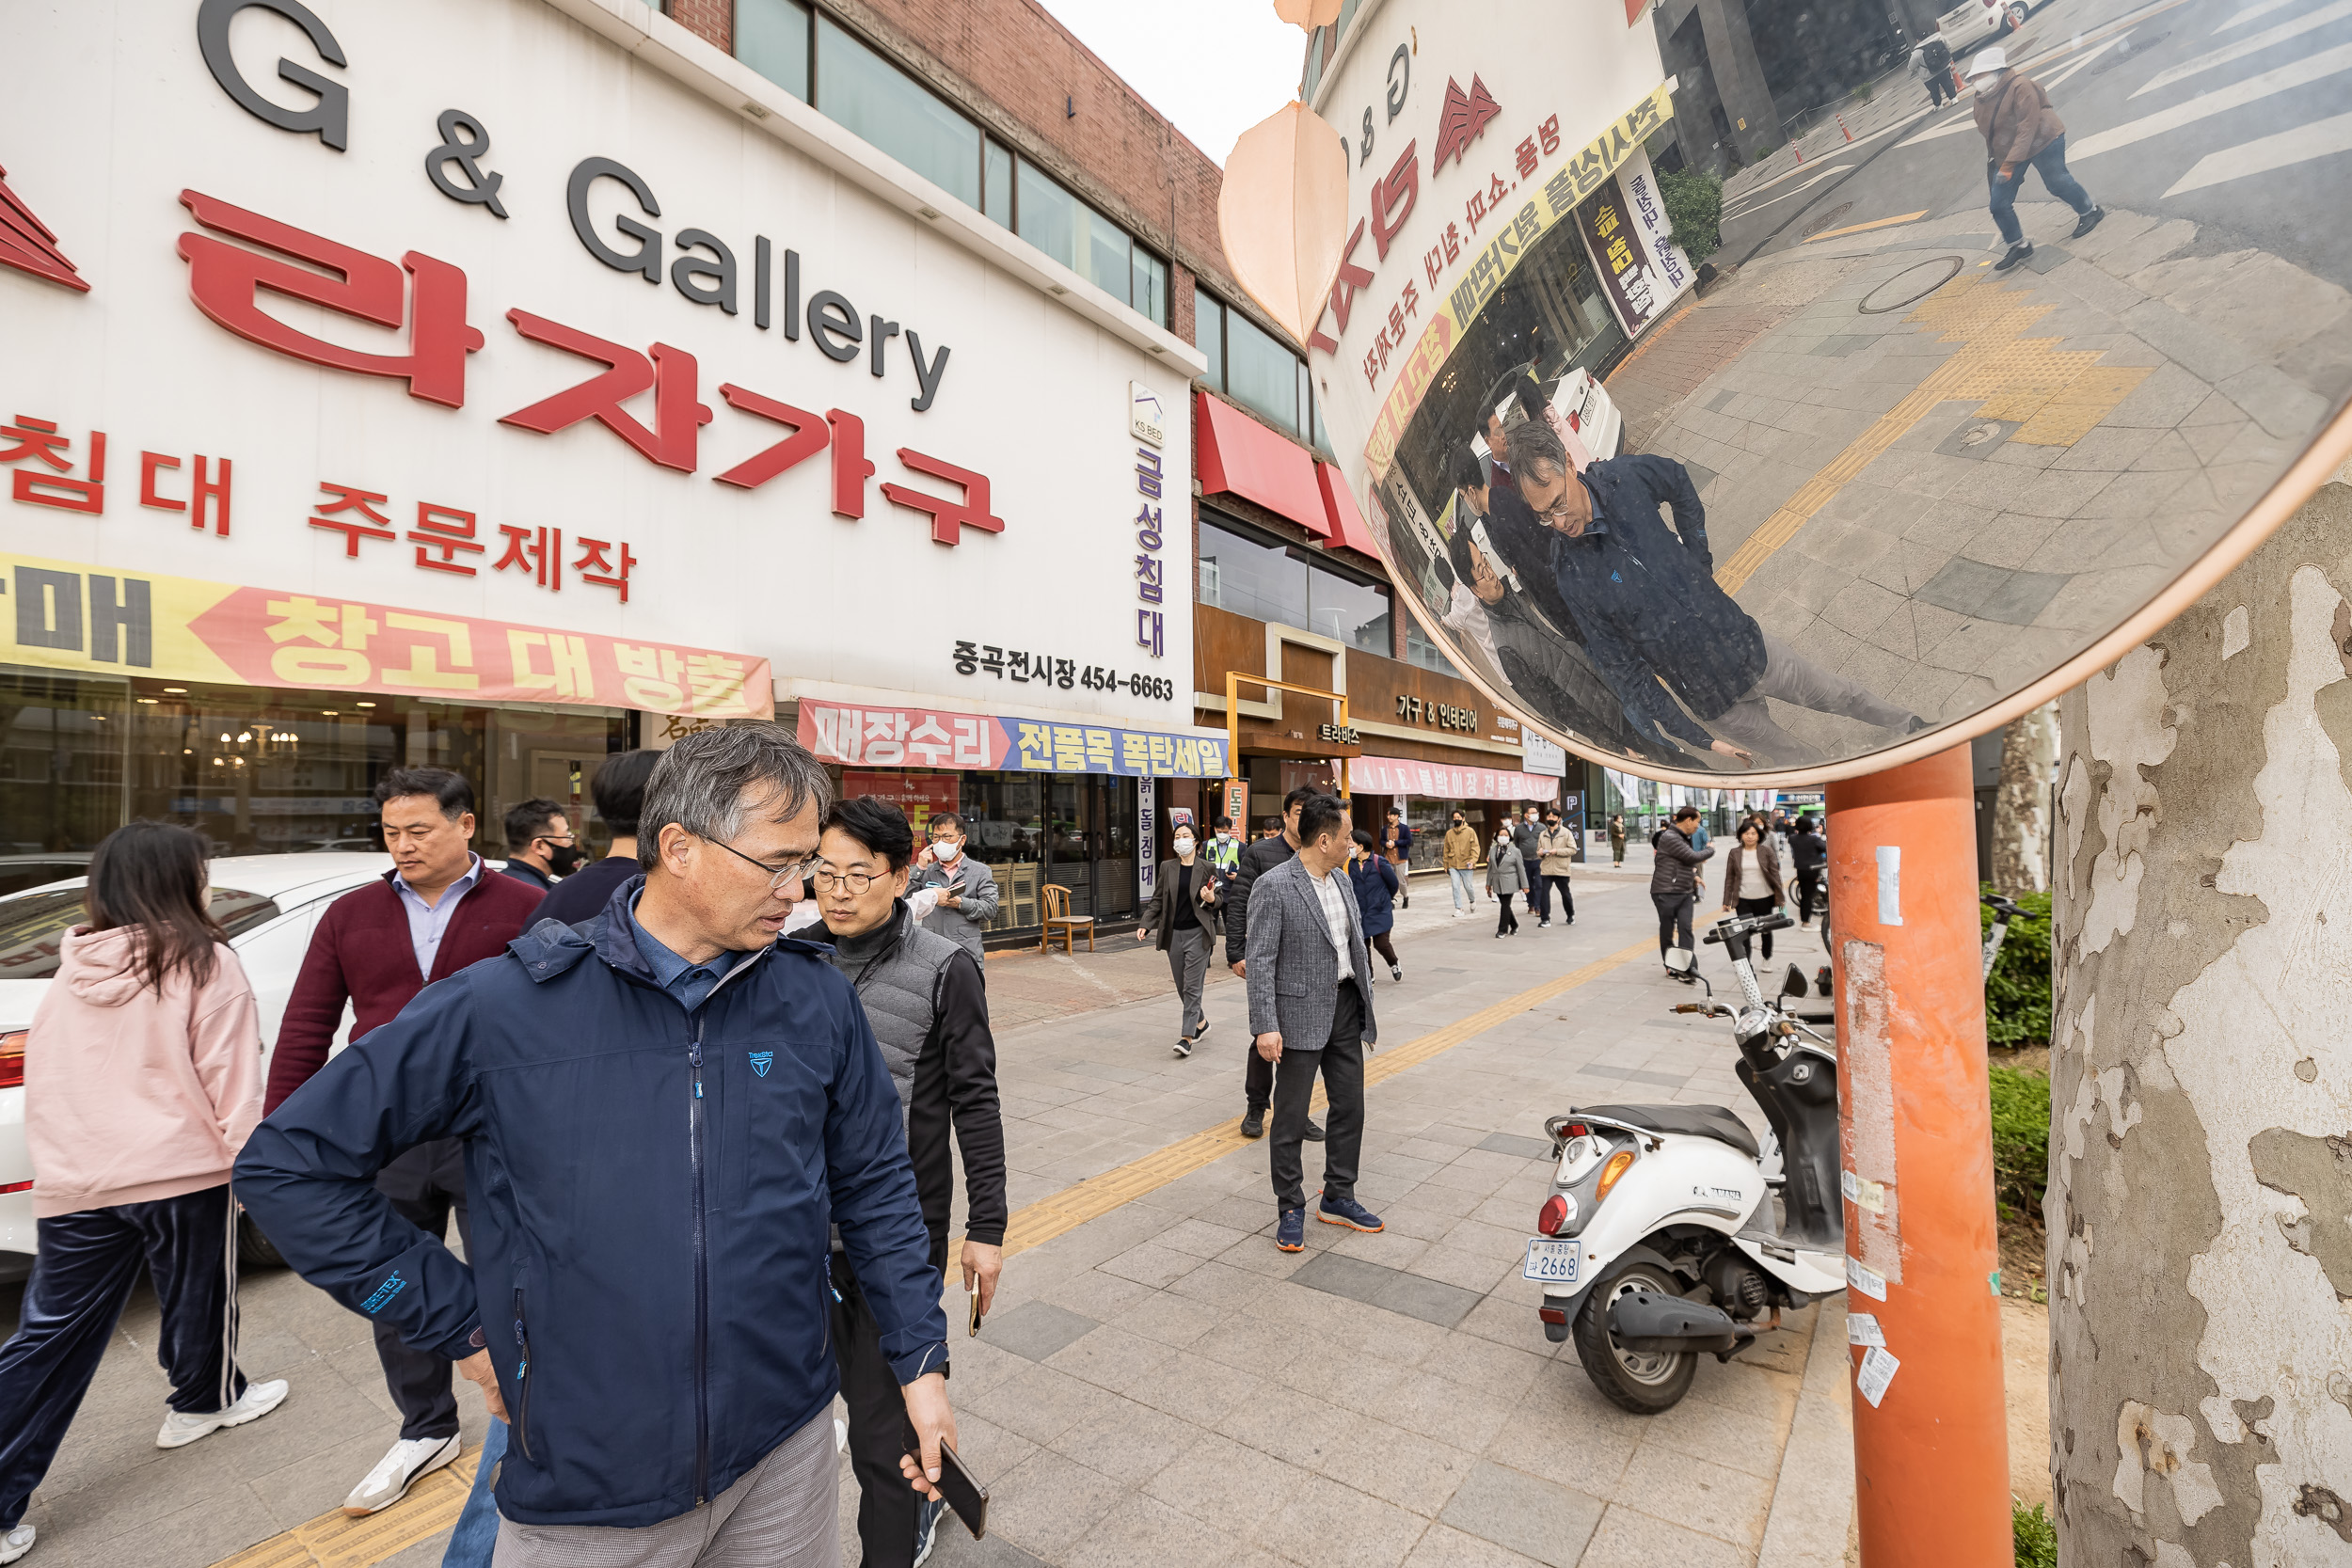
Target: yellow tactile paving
2057, 394
334, 1540
1864, 228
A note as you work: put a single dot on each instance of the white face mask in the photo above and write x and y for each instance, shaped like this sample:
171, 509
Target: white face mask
1183, 844
1983, 85
947, 850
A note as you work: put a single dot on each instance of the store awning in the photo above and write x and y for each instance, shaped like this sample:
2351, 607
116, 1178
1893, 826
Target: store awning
1347, 524
1445, 780
870, 736
1239, 456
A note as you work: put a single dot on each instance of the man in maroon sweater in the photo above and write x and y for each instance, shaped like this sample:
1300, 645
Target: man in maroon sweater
437, 910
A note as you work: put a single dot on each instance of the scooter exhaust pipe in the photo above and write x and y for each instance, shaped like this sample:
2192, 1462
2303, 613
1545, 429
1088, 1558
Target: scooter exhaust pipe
1639, 1321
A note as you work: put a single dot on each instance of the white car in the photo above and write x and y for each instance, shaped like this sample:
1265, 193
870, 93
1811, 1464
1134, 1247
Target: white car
1973, 24
268, 904
1581, 402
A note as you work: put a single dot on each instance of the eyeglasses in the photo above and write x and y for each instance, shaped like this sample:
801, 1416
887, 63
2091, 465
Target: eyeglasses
778, 876
856, 882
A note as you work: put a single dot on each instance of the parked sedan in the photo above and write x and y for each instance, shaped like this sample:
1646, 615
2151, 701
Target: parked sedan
268, 905
1973, 24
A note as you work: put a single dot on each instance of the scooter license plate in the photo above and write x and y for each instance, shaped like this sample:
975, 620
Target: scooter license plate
1553, 1263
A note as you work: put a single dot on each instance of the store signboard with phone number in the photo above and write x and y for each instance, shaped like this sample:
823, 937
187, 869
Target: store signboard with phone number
921, 737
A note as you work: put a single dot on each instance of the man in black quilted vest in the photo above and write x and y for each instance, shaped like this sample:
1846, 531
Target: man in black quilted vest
923, 995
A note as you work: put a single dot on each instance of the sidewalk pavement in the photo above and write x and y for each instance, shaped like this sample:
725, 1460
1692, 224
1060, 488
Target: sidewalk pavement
1157, 1382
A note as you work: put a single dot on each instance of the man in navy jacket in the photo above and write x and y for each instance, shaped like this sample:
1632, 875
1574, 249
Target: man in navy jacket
662, 1111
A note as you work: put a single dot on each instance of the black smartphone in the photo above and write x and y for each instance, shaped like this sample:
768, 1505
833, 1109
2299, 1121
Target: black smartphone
964, 1491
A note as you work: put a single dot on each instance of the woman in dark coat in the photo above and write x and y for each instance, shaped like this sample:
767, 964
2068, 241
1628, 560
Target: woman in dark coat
1376, 884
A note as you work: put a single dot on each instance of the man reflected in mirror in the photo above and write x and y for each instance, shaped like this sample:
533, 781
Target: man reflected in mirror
1683, 659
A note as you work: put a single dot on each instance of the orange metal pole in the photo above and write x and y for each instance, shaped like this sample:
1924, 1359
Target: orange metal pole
1929, 1428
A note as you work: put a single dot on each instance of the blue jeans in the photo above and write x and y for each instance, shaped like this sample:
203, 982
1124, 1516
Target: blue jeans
477, 1528
1459, 877
2051, 161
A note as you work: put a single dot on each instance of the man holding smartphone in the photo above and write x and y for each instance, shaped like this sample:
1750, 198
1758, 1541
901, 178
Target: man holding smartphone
967, 890
930, 1012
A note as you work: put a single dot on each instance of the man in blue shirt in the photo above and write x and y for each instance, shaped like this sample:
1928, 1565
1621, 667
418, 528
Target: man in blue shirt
1683, 659
664, 1111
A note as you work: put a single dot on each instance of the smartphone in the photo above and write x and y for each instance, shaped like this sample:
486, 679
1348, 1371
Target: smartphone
964, 1491
1494, 557
975, 1316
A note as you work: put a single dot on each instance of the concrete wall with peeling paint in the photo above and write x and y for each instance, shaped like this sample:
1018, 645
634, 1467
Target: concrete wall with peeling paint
2201, 1155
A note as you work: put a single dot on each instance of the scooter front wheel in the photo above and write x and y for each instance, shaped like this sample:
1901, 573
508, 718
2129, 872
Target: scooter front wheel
1643, 1382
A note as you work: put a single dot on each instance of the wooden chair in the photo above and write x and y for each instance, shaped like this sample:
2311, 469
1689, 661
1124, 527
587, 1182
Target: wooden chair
1058, 916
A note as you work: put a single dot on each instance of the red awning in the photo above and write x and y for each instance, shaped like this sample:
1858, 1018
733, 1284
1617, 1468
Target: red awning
1347, 524
1240, 456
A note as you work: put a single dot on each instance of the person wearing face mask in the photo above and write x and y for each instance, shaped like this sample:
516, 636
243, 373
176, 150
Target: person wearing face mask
1180, 920
2021, 131
1666, 636
1507, 874
1461, 855
967, 889
540, 848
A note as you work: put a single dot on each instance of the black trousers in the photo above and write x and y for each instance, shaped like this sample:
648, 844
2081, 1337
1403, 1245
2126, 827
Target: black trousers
880, 1431
86, 1267
1539, 899
1674, 921
427, 1185
1939, 86
1568, 899
1342, 1063
1258, 1077
1809, 892
1506, 921
1749, 908
1387, 949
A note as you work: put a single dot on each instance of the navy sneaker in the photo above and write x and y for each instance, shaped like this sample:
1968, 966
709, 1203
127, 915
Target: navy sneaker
1348, 1211
1291, 1234
926, 1528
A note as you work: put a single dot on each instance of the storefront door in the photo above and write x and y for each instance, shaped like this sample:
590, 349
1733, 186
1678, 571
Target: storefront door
1091, 843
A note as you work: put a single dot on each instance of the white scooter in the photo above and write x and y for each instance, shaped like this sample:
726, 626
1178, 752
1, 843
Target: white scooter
1661, 1239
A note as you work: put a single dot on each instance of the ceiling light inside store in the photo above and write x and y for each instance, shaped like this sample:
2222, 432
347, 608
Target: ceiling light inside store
363, 705
175, 690
151, 700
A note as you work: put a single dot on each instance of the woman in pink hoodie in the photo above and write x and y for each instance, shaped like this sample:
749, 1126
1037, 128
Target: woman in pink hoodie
142, 1080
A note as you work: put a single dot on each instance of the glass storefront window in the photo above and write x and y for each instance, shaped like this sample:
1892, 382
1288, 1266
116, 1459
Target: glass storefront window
867, 95
771, 37
1260, 371
1247, 577
1419, 650
1354, 612
264, 770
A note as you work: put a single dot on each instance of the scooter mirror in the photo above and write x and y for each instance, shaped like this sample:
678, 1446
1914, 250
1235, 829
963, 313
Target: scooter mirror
1679, 961
1792, 983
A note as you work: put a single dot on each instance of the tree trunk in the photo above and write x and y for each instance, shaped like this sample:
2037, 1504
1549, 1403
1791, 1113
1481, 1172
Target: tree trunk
2200, 1206
2021, 811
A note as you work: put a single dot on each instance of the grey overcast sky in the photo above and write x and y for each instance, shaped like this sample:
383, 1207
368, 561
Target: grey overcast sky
1213, 67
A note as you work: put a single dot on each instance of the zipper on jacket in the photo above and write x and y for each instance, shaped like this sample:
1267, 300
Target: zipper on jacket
702, 1277
522, 1378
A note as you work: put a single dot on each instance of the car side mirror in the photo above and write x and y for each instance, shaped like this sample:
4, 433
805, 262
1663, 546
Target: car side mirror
1792, 984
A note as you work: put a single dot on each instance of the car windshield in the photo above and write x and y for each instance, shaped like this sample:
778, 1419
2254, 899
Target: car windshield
33, 926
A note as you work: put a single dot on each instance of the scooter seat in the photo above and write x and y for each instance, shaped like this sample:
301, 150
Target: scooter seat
1698, 1121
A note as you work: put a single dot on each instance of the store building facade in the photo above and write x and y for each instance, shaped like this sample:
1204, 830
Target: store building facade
653, 398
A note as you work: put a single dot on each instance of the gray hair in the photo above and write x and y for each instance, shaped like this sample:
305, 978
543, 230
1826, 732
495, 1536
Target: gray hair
1535, 441
704, 783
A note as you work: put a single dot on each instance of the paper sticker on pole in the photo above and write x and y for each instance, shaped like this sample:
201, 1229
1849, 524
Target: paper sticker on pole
1795, 519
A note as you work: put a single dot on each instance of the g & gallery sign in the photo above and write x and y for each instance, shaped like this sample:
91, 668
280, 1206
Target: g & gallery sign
369, 318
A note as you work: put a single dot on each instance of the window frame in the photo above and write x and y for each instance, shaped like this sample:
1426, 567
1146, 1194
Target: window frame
1310, 400
819, 14
1304, 555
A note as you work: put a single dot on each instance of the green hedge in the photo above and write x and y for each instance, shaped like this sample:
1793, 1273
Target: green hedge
1694, 206
2021, 1138
2034, 1536
2017, 996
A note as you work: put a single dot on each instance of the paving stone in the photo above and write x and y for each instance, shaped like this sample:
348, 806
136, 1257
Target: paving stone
1713, 1499
1627, 1539
1036, 1329
1228, 1484
1329, 1525
1534, 1518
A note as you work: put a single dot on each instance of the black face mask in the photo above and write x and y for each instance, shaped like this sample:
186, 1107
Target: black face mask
564, 859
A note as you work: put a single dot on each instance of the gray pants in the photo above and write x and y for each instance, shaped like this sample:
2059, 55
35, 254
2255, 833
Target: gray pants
781, 1514
1189, 961
1796, 680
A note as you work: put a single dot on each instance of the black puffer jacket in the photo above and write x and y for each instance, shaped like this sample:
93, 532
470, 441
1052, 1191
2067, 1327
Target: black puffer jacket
1675, 870
1257, 857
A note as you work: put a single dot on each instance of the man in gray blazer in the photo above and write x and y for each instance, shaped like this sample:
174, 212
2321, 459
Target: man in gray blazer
967, 897
1310, 1009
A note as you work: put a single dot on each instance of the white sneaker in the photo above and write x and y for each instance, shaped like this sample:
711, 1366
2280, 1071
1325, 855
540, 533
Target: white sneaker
16, 1543
178, 1431
410, 1460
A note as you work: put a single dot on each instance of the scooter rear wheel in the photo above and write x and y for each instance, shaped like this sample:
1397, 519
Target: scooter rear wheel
1643, 1382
